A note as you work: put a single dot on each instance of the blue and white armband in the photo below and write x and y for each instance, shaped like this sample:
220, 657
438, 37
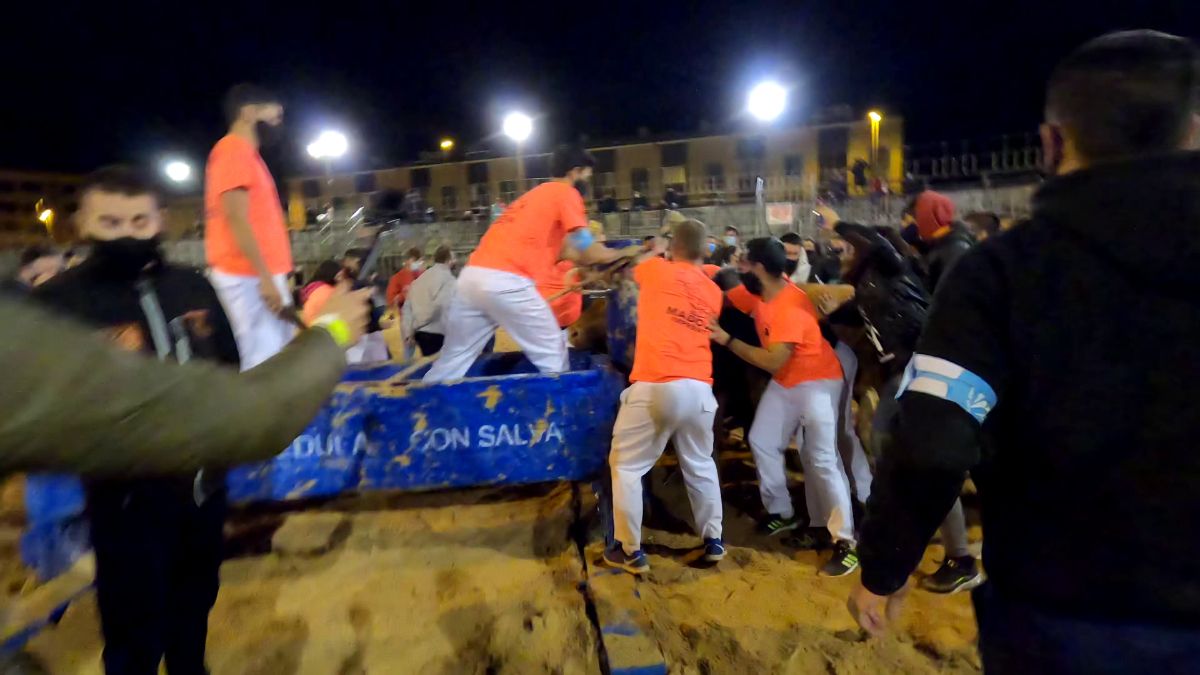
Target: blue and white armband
581, 239
950, 382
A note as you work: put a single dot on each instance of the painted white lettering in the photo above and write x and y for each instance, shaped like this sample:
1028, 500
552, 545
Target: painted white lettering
517, 435
505, 436
534, 434
487, 436
553, 433
439, 439
360, 443
461, 438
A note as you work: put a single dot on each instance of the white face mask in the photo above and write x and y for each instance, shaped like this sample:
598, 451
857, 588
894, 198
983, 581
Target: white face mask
416, 266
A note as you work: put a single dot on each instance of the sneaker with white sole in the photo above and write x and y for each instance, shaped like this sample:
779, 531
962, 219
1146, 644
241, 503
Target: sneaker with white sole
955, 574
843, 562
714, 550
634, 563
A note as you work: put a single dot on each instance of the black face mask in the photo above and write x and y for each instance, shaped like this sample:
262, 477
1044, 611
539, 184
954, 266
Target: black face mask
126, 256
752, 283
791, 266
910, 234
268, 134
582, 186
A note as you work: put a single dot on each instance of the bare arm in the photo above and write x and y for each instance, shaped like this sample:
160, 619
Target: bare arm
236, 205
770, 358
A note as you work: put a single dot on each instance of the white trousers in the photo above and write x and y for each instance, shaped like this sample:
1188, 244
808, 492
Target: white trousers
260, 333
849, 445
371, 348
651, 414
488, 298
808, 411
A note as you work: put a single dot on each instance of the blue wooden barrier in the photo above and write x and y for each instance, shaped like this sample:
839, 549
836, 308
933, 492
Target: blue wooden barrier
505, 424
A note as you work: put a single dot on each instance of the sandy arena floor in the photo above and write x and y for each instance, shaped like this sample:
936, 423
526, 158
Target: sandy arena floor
488, 581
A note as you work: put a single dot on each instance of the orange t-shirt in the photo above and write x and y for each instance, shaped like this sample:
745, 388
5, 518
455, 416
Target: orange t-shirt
711, 270
527, 238
567, 308
676, 301
234, 164
790, 317
315, 302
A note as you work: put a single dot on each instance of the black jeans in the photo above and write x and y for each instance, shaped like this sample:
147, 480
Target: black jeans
1016, 638
430, 343
158, 556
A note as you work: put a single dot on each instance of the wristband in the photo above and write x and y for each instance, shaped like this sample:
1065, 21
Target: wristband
336, 327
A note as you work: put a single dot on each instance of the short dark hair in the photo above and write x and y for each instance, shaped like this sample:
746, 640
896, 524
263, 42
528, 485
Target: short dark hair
689, 237
792, 238
120, 179
357, 254
442, 255
567, 157
983, 221
730, 227
36, 251
241, 95
1127, 93
767, 251
414, 253
327, 272
647, 238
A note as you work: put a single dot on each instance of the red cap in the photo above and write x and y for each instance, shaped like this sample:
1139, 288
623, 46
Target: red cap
934, 211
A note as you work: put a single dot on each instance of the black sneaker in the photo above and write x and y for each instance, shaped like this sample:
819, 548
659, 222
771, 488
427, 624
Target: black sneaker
808, 539
774, 525
635, 563
955, 574
843, 562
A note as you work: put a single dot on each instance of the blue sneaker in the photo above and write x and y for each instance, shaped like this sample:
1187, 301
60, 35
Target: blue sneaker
634, 563
714, 550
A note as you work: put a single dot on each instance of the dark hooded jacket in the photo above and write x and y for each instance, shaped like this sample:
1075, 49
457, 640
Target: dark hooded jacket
1083, 323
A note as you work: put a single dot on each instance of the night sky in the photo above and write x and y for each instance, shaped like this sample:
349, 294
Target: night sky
88, 85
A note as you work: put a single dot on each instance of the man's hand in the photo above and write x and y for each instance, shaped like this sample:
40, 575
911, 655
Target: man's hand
829, 217
875, 613
270, 294
716, 333
354, 308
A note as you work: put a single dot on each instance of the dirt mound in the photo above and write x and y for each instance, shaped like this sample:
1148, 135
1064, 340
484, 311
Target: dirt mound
764, 609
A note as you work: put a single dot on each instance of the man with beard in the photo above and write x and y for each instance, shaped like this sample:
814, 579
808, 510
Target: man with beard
245, 234
498, 285
157, 540
802, 400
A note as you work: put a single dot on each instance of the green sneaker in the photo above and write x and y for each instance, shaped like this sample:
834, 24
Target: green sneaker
843, 562
774, 525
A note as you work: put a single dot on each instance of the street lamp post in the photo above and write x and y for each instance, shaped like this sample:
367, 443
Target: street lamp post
875, 118
767, 101
518, 126
328, 146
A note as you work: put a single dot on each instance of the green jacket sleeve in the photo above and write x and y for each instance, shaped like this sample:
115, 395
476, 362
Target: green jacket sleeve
70, 402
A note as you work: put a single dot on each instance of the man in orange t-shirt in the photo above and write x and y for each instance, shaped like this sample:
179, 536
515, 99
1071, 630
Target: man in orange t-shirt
245, 234
670, 397
497, 287
802, 400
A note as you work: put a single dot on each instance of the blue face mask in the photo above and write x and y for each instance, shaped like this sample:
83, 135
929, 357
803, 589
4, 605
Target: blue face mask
712, 247
730, 240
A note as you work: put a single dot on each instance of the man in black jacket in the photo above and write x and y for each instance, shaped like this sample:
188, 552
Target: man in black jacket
1062, 376
892, 304
158, 541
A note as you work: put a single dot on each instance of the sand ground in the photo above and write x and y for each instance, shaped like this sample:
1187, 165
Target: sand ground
489, 581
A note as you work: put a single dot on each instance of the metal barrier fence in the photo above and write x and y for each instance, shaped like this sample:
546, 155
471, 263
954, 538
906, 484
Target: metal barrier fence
310, 247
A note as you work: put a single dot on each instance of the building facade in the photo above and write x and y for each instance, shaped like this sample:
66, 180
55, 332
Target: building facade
794, 163
26, 195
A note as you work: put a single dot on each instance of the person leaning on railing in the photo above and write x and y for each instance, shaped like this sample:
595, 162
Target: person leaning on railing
74, 403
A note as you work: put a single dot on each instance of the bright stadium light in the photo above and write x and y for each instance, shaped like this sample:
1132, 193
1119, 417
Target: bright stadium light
874, 116
767, 101
329, 145
178, 171
518, 126
447, 144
